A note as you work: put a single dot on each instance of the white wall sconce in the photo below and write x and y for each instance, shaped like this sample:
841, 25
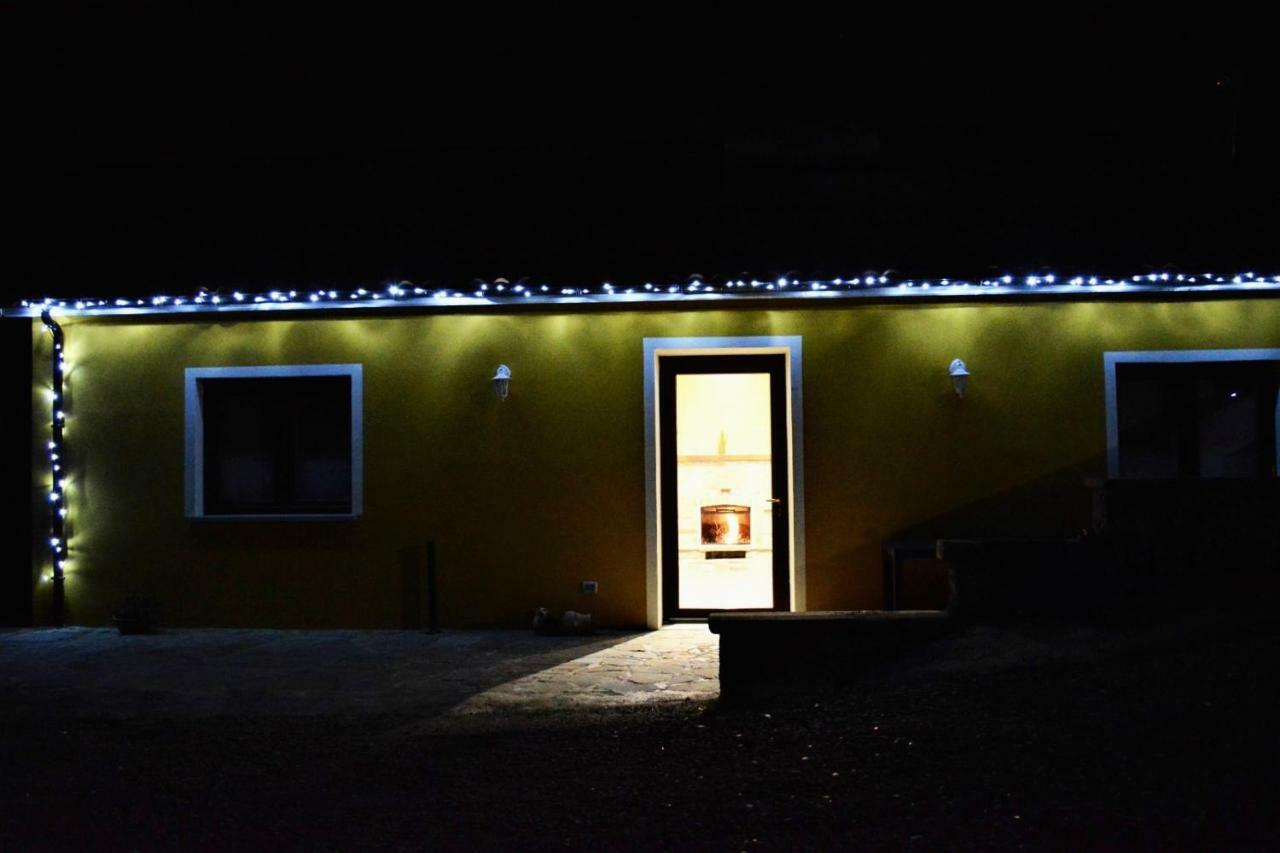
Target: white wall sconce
959, 376
502, 381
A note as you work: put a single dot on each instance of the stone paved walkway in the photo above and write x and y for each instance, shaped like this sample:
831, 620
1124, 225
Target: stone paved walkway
677, 663
95, 672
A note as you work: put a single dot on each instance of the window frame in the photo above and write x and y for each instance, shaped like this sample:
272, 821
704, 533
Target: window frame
1187, 356
194, 427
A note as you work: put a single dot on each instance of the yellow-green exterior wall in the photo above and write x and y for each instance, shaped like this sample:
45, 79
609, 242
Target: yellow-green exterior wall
528, 497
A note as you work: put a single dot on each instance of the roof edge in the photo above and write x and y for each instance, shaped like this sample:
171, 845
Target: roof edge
499, 294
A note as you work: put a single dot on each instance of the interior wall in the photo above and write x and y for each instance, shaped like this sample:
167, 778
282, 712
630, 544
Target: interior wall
724, 446
528, 497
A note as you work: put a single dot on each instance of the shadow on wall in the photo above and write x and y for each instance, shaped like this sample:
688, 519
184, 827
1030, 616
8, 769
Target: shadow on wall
1058, 505
1145, 537
1169, 526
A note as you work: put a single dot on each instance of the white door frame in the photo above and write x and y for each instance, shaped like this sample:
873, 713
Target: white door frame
655, 348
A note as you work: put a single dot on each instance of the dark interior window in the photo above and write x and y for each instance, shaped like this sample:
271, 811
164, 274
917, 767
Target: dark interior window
277, 445
1197, 419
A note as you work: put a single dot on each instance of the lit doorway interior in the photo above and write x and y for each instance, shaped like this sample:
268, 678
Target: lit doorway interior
725, 524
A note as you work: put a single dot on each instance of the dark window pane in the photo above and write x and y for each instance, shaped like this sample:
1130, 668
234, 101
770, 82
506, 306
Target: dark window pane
1197, 419
322, 471
1148, 426
246, 464
277, 445
1228, 428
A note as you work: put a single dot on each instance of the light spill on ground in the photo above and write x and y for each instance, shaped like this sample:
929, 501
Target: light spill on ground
677, 663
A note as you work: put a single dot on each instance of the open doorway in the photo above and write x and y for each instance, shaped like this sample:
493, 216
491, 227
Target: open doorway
725, 483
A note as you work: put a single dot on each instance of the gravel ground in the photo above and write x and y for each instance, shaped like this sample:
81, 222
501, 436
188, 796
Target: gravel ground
1038, 737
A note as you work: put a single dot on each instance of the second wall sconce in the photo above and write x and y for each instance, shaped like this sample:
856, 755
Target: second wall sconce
502, 381
959, 376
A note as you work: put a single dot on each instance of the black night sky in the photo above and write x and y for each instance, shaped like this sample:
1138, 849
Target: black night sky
163, 154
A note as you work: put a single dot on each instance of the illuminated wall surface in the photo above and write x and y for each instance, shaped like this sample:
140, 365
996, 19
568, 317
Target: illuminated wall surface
527, 498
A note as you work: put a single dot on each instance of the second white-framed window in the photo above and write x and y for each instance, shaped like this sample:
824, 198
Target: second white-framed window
1193, 414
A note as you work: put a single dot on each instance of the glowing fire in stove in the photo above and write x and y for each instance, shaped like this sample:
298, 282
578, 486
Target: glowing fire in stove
732, 533
726, 524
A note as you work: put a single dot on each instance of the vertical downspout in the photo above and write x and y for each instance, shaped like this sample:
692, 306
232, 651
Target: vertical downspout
57, 490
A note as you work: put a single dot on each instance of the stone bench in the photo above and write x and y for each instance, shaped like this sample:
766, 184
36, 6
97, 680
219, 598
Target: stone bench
766, 653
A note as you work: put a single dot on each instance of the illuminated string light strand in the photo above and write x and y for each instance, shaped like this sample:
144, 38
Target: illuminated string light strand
502, 292
57, 460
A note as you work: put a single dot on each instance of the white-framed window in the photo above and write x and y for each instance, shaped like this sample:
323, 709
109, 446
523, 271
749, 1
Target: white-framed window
275, 442
1193, 414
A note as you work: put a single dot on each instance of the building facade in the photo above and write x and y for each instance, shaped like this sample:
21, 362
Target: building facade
287, 468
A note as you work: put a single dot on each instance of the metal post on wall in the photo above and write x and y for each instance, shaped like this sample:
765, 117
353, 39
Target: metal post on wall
419, 589
433, 590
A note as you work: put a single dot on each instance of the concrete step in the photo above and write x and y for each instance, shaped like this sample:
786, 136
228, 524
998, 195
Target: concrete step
764, 653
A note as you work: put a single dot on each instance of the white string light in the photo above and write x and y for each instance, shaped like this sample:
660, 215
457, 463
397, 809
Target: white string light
57, 450
501, 292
